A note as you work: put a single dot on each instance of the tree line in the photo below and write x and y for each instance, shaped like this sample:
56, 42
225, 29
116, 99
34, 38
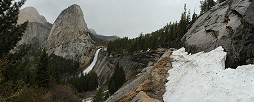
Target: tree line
83, 83
207, 5
115, 82
167, 37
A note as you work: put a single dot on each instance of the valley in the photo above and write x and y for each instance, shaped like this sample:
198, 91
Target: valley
206, 56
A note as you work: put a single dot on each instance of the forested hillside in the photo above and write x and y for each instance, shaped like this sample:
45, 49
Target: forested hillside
167, 37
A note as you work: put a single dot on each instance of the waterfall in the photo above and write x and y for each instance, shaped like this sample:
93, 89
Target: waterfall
90, 67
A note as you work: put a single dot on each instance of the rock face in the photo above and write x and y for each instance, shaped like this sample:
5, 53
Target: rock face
148, 85
37, 30
228, 24
30, 14
35, 34
69, 36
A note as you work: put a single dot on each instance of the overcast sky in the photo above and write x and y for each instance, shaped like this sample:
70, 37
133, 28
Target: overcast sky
119, 17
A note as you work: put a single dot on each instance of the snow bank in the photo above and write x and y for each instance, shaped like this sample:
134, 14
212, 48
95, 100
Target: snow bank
87, 100
202, 77
90, 67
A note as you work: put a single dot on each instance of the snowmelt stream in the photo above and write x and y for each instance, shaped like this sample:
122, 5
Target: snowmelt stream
90, 67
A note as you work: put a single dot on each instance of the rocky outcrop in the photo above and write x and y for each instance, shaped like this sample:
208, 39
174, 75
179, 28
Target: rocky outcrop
228, 24
35, 34
143, 97
69, 36
37, 30
30, 14
148, 86
243, 38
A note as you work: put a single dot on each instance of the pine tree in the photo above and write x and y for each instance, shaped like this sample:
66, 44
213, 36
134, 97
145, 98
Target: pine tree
210, 3
206, 5
42, 78
188, 16
182, 26
10, 32
99, 97
193, 18
117, 79
121, 77
112, 86
202, 6
93, 81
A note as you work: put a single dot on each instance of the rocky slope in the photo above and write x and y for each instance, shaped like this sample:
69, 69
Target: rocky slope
69, 36
132, 64
228, 24
37, 30
148, 85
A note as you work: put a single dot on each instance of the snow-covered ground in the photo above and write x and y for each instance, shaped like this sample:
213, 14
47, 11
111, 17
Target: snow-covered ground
87, 100
90, 67
202, 77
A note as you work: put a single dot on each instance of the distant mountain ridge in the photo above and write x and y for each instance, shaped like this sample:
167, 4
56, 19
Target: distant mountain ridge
32, 15
103, 37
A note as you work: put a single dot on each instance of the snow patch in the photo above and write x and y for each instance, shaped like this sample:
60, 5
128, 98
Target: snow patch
202, 77
87, 100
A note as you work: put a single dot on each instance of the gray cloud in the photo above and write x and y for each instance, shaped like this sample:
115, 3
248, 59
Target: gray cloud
119, 17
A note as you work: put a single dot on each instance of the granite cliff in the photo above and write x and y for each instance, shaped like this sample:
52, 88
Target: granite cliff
32, 15
228, 24
37, 30
69, 36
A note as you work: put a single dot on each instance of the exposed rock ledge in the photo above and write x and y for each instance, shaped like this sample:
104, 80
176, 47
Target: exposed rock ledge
148, 86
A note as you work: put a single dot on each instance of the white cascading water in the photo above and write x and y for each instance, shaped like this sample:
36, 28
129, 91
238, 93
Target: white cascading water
90, 67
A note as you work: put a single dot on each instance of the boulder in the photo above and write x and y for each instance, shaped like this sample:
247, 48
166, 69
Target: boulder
228, 24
